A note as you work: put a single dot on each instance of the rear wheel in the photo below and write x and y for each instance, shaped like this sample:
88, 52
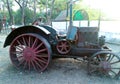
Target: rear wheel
30, 51
105, 63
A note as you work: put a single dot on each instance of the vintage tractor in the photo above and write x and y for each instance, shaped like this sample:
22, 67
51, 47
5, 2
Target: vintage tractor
34, 46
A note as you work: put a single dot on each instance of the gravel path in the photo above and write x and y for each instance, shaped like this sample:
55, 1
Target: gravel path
60, 71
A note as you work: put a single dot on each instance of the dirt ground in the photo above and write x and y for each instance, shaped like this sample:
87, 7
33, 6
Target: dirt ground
60, 71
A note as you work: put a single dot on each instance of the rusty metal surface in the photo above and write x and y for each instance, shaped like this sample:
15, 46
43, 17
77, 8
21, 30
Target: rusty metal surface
104, 63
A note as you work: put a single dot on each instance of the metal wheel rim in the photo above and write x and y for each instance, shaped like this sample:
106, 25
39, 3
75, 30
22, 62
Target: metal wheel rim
63, 47
30, 51
108, 66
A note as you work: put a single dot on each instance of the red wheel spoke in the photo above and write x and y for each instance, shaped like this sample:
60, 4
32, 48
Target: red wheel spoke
20, 44
24, 41
45, 60
62, 49
34, 43
29, 41
40, 60
33, 65
38, 46
42, 55
36, 62
42, 64
42, 50
21, 62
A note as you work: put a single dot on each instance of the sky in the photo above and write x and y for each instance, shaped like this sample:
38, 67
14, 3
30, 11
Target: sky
15, 7
109, 7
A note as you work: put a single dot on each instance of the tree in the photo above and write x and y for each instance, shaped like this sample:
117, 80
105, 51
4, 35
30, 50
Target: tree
49, 13
34, 8
48, 9
92, 13
28, 18
59, 6
48, 6
22, 4
8, 4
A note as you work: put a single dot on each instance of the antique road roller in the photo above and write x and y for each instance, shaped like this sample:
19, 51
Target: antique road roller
34, 46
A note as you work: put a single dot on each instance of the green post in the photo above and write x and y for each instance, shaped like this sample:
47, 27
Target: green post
71, 22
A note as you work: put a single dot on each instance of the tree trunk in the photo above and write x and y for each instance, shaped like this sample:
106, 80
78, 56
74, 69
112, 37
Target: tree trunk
34, 17
51, 11
46, 11
22, 6
23, 13
49, 21
10, 13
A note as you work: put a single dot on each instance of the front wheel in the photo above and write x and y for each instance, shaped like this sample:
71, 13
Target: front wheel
63, 47
30, 51
104, 63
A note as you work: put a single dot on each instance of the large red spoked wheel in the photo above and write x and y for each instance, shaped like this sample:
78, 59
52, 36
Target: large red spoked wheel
30, 51
63, 47
105, 63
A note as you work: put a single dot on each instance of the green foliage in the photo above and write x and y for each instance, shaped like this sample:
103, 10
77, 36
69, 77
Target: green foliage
28, 16
59, 5
17, 17
5, 14
92, 13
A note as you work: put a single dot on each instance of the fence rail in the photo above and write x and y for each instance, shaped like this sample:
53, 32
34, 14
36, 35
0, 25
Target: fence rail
111, 37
